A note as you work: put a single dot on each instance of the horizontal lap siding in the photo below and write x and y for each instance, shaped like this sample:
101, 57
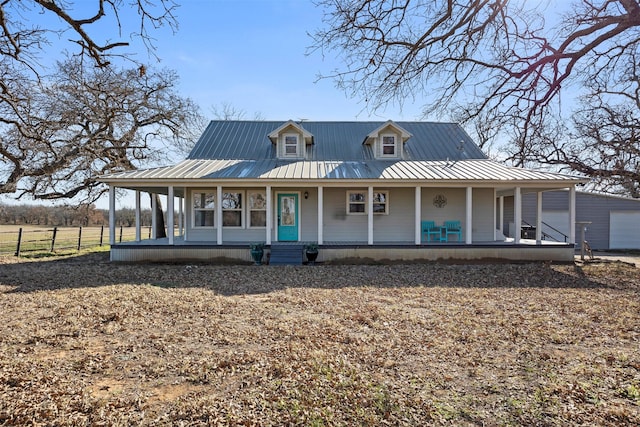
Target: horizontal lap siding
483, 215
453, 210
398, 226
338, 226
309, 215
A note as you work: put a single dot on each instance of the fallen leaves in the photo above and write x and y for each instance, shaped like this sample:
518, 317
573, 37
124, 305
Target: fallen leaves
499, 344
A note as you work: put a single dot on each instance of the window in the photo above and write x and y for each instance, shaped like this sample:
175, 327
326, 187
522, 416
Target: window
389, 145
357, 202
232, 209
380, 202
257, 209
291, 146
203, 209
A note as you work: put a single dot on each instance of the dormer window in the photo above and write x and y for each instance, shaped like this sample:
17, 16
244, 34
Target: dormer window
387, 141
291, 146
291, 140
389, 148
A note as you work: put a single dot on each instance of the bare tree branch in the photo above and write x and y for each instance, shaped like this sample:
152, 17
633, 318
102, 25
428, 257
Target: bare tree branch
490, 60
86, 123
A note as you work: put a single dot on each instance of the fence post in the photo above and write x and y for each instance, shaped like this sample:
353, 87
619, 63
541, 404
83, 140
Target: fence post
101, 234
19, 241
120, 234
79, 238
53, 238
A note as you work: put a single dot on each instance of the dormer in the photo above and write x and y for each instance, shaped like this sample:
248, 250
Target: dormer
291, 140
387, 141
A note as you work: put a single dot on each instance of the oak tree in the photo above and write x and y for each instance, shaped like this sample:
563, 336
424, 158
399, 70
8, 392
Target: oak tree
513, 67
97, 109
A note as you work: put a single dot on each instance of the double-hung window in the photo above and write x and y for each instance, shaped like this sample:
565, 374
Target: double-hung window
257, 209
232, 209
357, 202
290, 146
389, 146
381, 202
203, 209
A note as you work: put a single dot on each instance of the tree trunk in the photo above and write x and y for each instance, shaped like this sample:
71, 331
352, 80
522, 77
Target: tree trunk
161, 232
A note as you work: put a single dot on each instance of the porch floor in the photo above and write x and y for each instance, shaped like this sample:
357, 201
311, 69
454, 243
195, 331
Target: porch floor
179, 241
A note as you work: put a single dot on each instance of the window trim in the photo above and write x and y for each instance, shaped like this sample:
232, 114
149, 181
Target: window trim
241, 210
386, 202
194, 209
284, 145
383, 145
349, 202
365, 202
250, 209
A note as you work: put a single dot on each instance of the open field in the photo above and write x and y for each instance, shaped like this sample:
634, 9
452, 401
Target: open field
40, 240
86, 342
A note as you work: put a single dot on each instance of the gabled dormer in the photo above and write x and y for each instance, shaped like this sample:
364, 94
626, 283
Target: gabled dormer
291, 140
387, 141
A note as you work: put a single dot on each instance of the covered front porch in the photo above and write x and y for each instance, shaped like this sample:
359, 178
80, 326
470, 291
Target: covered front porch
352, 223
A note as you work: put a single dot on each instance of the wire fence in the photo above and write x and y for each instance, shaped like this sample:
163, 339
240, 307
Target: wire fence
28, 240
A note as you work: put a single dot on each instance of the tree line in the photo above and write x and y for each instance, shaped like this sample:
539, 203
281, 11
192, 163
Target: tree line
84, 215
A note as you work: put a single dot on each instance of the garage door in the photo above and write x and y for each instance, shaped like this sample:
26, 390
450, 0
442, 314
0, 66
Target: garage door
624, 230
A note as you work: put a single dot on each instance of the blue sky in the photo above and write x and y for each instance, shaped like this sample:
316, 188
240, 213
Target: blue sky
251, 54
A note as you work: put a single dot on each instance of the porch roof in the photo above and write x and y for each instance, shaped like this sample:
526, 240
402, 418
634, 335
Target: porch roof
477, 170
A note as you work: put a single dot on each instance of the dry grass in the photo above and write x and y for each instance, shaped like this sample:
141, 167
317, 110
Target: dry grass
86, 342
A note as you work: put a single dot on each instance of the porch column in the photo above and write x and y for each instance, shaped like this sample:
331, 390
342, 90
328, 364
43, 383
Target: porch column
501, 214
539, 219
572, 215
370, 216
112, 215
320, 216
186, 210
418, 210
170, 215
269, 215
154, 216
468, 232
219, 214
517, 214
180, 214
494, 215
138, 237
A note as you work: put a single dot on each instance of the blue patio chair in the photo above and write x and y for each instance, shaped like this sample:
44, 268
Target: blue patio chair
429, 228
452, 228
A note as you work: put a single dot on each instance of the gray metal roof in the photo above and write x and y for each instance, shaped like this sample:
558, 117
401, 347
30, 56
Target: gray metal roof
340, 141
479, 170
242, 151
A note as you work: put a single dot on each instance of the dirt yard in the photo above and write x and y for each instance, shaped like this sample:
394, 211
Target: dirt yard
86, 342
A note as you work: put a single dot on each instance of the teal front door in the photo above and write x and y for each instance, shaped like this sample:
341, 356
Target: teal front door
287, 217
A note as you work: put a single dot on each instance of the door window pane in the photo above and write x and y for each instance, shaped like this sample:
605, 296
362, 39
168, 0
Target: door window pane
288, 210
